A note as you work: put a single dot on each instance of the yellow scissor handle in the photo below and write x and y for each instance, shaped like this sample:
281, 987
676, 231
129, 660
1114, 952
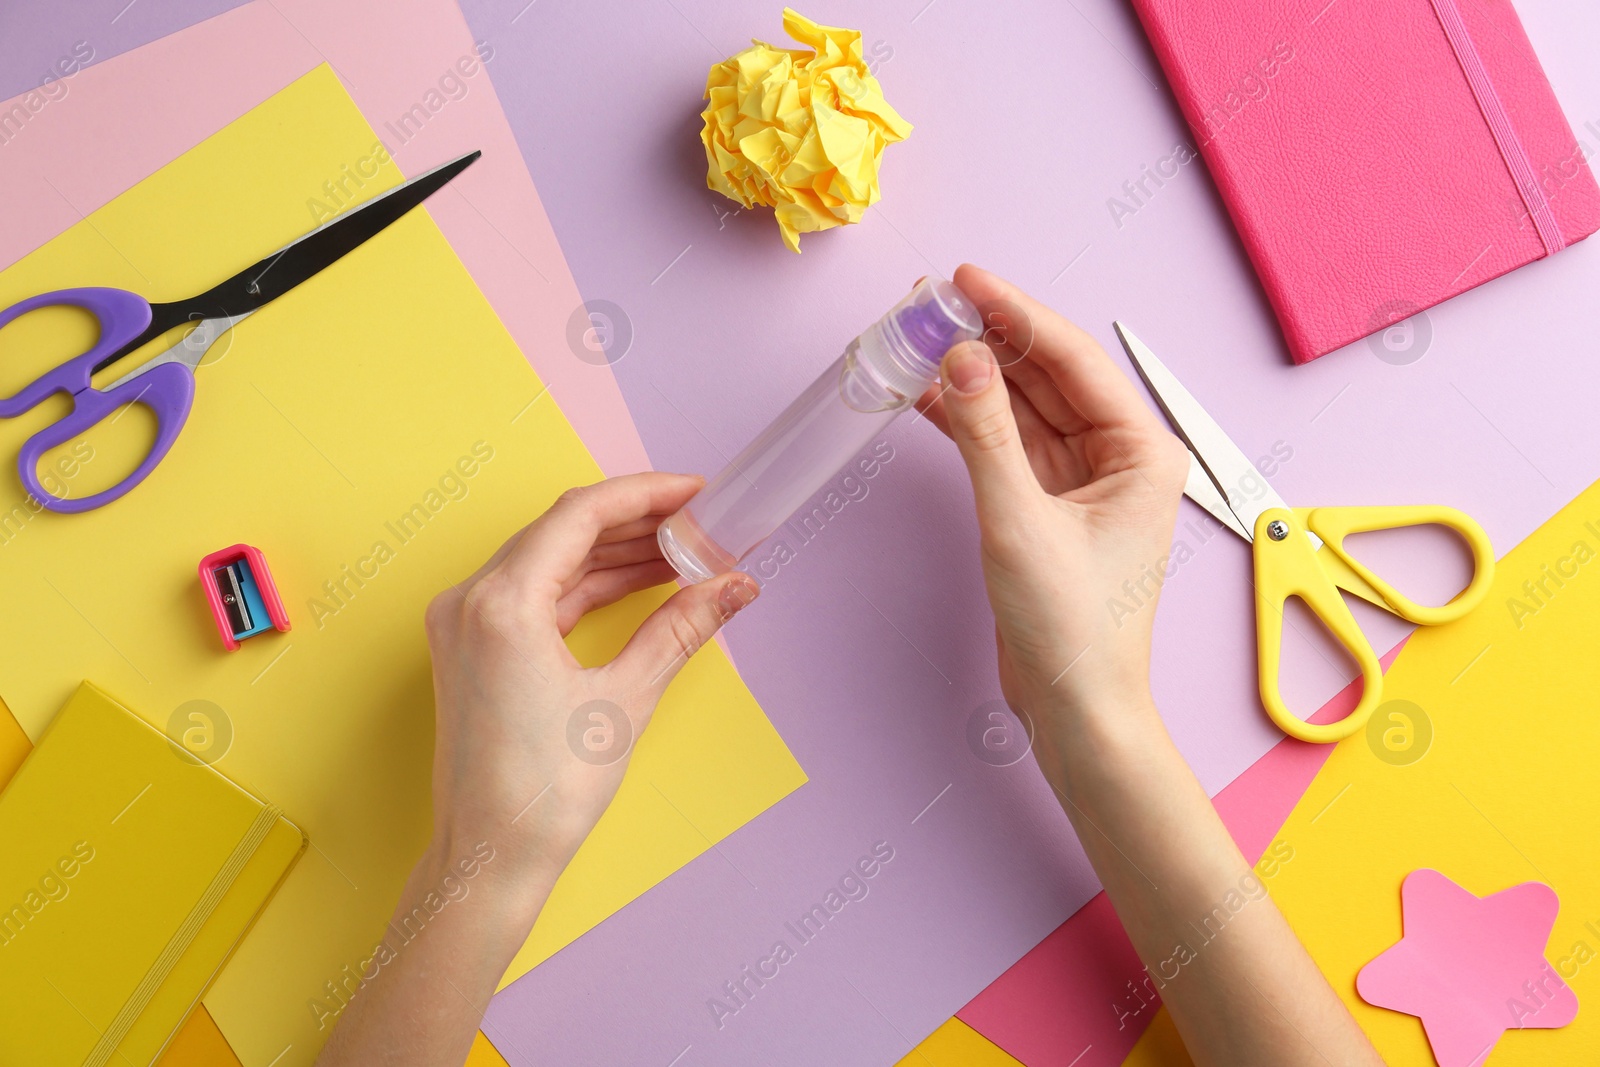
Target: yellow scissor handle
1287, 565
1333, 525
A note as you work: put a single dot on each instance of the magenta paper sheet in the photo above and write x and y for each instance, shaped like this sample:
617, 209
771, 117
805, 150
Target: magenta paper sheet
1037, 129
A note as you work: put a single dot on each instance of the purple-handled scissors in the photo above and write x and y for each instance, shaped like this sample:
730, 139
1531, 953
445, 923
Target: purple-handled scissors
165, 382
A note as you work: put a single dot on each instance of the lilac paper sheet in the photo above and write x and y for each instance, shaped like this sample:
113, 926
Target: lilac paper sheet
871, 649
40, 38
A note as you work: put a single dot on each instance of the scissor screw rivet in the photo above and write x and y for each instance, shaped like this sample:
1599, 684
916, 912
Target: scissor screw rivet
1277, 529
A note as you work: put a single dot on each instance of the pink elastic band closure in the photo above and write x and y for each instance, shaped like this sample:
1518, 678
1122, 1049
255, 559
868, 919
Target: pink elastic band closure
1505, 134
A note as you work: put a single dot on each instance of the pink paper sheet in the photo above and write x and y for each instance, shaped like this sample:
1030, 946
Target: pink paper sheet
128, 116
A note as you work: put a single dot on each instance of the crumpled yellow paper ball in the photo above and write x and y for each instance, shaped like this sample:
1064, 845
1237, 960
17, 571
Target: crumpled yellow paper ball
801, 132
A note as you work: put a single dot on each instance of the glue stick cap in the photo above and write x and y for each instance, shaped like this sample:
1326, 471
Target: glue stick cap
907, 344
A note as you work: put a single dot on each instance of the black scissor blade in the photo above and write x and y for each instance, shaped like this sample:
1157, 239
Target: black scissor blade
275, 275
286, 268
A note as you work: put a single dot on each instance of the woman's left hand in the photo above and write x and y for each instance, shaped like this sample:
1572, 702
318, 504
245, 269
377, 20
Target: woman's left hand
531, 745
530, 750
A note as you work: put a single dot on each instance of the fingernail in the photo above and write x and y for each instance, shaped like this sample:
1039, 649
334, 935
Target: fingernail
969, 368
737, 595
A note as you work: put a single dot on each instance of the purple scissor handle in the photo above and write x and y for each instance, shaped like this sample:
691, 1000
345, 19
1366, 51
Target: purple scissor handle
165, 382
166, 388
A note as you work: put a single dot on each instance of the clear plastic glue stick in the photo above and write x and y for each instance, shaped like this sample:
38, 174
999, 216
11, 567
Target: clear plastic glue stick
878, 376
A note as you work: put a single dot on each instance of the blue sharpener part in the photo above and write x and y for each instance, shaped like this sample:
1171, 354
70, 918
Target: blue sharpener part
252, 600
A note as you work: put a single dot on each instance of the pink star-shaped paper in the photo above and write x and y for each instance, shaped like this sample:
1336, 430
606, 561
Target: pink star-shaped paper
1470, 967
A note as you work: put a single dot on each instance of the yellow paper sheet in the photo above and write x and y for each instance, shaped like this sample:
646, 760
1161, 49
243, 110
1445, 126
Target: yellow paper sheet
1159, 1045
1506, 792
14, 745
330, 415
198, 1044
955, 1044
483, 1054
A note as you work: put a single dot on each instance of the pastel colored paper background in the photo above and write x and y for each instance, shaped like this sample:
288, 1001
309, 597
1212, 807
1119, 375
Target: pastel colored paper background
727, 329
351, 418
126, 117
1533, 417
399, 53
34, 37
1505, 794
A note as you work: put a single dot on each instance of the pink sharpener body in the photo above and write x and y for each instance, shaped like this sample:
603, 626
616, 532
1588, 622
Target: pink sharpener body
239, 590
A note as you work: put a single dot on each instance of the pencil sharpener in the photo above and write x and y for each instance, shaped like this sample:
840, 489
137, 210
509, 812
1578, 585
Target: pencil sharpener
239, 589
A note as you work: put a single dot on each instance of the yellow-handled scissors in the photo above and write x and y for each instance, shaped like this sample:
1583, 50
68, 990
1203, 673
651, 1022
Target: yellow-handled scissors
1300, 551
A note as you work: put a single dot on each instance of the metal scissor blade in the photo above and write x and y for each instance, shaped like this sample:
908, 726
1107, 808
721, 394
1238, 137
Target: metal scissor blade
1235, 479
189, 349
1199, 489
263, 282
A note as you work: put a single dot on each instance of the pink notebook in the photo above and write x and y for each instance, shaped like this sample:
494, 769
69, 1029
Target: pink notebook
1377, 156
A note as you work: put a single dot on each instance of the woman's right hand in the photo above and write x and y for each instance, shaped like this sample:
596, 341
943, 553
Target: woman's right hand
1077, 485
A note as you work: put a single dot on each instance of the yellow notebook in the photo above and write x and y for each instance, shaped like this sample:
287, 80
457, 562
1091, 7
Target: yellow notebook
129, 870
